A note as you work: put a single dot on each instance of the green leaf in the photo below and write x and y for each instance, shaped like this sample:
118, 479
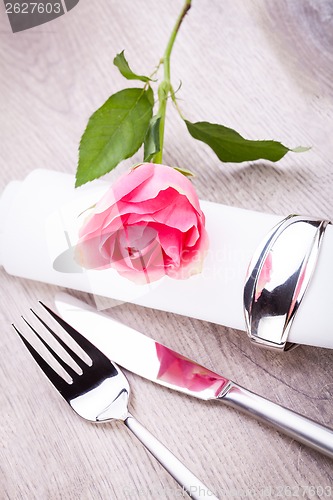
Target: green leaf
300, 149
152, 139
230, 146
184, 171
150, 96
122, 64
114, 132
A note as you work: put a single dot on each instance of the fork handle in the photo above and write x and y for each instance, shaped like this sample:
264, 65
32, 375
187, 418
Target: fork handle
293, 424
184, 477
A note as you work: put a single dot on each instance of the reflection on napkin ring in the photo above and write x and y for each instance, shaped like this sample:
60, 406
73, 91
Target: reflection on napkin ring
278, 276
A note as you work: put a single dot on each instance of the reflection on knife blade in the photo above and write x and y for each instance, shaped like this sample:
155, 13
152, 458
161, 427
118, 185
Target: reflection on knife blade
147, 358
140, 354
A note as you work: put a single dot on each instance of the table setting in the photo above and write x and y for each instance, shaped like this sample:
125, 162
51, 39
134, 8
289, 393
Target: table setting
190, 260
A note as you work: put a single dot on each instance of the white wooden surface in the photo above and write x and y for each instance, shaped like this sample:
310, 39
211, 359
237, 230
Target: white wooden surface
262, 67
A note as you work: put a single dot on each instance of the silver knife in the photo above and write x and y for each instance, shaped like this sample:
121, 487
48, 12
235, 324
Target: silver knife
154, 361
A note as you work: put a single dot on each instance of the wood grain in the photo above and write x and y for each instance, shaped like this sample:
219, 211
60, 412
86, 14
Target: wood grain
262, 67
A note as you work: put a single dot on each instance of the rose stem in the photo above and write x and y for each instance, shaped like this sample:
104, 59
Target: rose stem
165, 86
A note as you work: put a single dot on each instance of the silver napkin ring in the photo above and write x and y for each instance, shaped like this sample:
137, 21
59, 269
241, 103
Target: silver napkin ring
278, 276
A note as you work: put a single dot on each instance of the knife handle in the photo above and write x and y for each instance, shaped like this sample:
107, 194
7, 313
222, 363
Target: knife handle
184, 477
293, 424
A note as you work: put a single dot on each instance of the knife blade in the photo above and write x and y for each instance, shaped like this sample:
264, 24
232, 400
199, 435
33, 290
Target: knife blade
144, 356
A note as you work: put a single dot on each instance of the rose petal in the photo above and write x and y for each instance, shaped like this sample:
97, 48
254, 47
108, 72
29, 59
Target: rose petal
124, 185
163, 177
170, 216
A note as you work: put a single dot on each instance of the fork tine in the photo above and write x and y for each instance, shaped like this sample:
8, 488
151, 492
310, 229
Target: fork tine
56, 356
84, 343
59, 383
70, 351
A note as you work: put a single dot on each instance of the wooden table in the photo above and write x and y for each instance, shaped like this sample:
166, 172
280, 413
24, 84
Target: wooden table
261, 67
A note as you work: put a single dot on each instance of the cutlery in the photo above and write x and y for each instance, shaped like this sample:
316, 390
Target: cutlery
162, 365
98, 391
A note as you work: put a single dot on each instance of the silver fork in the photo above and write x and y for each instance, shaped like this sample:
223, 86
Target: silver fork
100, 393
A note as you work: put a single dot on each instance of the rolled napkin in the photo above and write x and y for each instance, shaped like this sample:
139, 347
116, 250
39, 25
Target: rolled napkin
40, 219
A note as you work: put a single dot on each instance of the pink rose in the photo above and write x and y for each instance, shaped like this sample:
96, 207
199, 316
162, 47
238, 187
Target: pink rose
148, 224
